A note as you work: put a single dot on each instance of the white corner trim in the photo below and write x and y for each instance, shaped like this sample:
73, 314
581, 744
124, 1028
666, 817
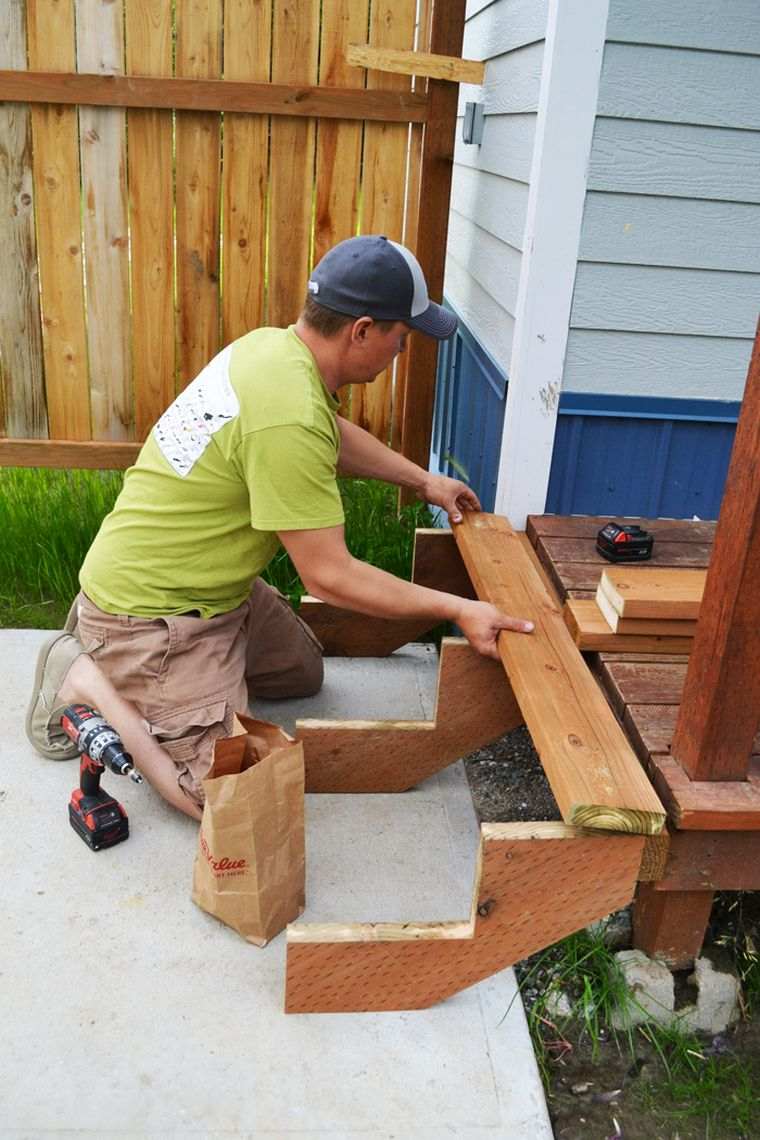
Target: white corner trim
565, 124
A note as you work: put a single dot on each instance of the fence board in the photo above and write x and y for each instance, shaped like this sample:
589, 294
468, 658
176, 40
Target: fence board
59, 235
385, 157
103, 158
22, 396
199, 29
245, 171
149, 52
295, 45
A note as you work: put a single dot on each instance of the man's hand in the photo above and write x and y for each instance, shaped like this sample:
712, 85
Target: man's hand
452, 495
481, 624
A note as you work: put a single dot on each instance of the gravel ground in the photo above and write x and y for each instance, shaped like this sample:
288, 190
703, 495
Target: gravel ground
508, 783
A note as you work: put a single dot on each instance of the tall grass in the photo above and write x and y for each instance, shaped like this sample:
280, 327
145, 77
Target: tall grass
48, 518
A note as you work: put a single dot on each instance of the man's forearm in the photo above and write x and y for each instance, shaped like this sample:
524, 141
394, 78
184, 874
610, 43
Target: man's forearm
366, 457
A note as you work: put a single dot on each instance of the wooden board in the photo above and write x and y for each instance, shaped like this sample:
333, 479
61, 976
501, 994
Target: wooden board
535, 883
650, 729
592, 770
344, 633
149, 52
245, 171
474, 705
641, 683
416, 63
670, 925
591, 632
647, 592
57, 207
56, 453
295, 48
197, 189
707, 805
719, 712
712, 861
22, 394
640, 626
587, 526
103, 158
438, 563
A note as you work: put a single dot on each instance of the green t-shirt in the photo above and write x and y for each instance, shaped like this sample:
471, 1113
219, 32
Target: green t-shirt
249, 448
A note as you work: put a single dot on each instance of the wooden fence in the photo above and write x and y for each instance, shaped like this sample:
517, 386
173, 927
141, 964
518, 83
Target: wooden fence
170, 170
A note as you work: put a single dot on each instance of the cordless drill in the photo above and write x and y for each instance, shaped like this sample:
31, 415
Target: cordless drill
96, 817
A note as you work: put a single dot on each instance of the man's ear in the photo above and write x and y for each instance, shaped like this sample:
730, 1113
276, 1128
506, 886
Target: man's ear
360, 329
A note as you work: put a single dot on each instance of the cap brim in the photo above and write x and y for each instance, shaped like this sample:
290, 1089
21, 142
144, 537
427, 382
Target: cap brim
435, 321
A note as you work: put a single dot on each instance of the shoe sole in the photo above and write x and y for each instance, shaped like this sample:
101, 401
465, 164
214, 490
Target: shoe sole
67, 753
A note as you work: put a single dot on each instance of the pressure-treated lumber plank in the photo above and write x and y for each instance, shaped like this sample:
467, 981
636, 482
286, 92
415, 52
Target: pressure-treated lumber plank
435, 190
344, 633
149, 52
719, 711
57, 453
474, 705
291, 99
654, 857
245, 171
591, 633
197, 185
295, 48
593, 772
660, 627
103, 157
670, 925
535, 883
59, 235
22, 395
649, 592
707, 805
385, 161
712, 861
416, 63
339, 144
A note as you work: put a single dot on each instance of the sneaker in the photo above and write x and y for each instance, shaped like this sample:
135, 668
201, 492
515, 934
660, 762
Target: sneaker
43, 728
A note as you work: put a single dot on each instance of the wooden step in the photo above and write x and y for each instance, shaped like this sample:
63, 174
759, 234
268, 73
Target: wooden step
591, 768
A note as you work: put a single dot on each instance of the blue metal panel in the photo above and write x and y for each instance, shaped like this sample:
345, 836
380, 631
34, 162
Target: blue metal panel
469, 414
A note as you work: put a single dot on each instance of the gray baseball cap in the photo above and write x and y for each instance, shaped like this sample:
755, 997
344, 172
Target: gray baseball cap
371, 276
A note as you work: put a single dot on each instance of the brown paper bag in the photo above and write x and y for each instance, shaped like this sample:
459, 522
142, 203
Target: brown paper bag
250, 868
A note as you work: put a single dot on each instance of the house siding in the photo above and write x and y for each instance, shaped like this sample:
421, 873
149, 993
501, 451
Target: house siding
667, 291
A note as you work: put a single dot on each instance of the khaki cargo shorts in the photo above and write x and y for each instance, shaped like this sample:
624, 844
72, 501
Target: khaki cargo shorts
188, 676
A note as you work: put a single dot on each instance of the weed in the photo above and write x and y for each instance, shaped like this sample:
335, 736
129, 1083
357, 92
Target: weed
48, 518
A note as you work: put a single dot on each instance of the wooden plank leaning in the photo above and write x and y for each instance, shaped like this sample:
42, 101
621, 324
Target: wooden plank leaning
593, 772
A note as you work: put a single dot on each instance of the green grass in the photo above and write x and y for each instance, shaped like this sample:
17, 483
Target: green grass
695, 1084
48, 518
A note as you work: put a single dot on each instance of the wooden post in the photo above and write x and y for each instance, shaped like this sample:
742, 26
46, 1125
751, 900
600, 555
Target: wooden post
435, 189
719, 715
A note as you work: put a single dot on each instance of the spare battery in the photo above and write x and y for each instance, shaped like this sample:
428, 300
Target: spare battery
623, 542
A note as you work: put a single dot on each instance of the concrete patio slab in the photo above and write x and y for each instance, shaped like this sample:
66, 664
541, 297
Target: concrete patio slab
128, 1012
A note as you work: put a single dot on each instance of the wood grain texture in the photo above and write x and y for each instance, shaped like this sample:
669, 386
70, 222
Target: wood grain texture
707, 805
438, 564
591, 633
64, 453
593, 772
339, 144
59, 235
670, 925
720, 707
687, 23
22, 394
385, 157
295, 47
197, 192
422, 63
149, 52
648, 592
245, 171
334, 969
654, 857
641, 683
435, 191
474, 705
712, 861
656, 626
344, 633
103, 158
292, 99
650, 728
